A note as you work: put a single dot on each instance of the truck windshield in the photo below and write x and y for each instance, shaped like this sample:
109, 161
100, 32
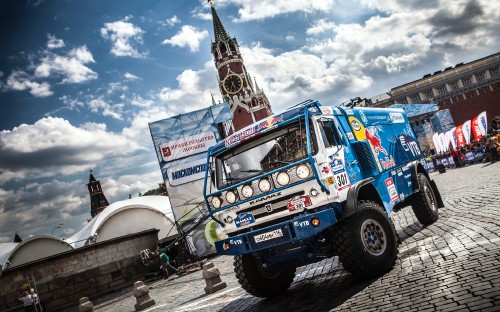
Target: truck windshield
274, 150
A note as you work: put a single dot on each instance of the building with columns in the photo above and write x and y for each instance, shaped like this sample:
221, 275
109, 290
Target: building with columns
247, 101
465, 89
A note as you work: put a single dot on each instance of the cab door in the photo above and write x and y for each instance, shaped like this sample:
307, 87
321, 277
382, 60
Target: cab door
338, 166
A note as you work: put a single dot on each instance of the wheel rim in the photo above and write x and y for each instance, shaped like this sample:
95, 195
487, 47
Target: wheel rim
429, 197
268, 274
373, 237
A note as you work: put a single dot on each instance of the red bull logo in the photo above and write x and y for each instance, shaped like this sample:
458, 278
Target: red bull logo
375, 142
269, 123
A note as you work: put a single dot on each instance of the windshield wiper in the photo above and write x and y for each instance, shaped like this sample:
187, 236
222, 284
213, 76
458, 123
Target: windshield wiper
252, 170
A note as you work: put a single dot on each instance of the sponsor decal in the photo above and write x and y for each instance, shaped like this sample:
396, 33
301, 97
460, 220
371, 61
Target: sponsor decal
301, 223
355, 125
244, 219
349, 112
190, 145
388, 162
244, 134
342, 181
337, 165
258, 200
330, 180
375, 142
363, 116
187, 172
299, 203
350, 136
400, 173
326, 110
391, 189
409, 145
235, 242
397, 117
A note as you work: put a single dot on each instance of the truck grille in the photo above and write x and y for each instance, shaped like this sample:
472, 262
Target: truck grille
271, 207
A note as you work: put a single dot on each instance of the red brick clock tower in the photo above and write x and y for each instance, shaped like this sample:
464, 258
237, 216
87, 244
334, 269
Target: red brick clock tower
247, 101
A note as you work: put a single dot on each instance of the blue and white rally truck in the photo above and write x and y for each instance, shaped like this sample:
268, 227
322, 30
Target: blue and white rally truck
311, 183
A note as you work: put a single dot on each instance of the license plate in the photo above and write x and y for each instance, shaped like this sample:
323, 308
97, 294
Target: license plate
267, 236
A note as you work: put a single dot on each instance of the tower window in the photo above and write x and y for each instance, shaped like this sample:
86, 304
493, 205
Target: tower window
494, 72
441, 90
232, 47
454, 85
429, 94
467, 81
222, 48
415, 98
480, 77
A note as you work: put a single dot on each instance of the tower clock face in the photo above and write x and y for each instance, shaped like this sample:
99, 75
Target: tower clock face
232, 83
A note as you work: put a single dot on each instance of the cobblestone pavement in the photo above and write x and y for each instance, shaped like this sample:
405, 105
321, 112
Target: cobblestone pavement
451, 265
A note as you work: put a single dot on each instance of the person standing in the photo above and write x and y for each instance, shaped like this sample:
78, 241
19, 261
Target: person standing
492, 148
27, 300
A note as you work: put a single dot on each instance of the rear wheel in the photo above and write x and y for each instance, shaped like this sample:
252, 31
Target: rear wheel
366, 243
259, 281
424, 203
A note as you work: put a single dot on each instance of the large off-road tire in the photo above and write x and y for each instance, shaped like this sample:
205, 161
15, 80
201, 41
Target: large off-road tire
424, 203
260, 282
366, 243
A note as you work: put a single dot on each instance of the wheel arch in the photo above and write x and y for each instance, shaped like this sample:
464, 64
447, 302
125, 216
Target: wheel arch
419, 168
362, 190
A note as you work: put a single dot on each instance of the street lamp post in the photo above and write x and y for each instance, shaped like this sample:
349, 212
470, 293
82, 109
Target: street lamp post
57, 227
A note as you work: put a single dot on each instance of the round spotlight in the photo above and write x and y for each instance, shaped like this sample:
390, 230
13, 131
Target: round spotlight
303, 171
216, 202
226, 246
231, 197
313, 192
247, 191
283, 178
264, 185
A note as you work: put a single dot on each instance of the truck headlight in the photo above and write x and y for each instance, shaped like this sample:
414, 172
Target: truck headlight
216, 202
247, 191
231, 197
303, 171
264, 185
283, 178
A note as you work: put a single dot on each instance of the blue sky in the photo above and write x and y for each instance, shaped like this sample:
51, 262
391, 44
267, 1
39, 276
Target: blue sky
80, 80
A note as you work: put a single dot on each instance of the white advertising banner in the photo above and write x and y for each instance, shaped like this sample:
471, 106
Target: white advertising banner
483, 123
186, 146
466, 131
187, 172
435, 140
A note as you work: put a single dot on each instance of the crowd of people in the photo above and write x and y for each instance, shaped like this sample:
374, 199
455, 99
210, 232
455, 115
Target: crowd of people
486, 149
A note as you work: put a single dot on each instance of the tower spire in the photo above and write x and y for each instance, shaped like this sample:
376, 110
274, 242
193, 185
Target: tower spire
219, 30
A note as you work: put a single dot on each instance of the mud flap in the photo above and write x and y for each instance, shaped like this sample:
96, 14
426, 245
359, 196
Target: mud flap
439, 199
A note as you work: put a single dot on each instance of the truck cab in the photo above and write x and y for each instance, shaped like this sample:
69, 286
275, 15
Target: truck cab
313, 182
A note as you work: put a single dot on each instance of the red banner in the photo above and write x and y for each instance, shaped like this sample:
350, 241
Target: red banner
460, 136
476, 131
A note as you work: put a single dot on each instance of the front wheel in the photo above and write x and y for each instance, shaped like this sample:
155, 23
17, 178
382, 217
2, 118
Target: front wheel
366, 243
424, 204
259, 281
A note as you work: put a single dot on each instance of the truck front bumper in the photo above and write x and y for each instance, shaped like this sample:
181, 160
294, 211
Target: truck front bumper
300, 228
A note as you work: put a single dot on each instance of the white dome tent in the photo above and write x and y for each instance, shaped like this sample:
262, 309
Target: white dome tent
127, 217
31, 249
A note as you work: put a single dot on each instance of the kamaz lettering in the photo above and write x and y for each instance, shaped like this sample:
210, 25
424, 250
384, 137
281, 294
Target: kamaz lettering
252, 202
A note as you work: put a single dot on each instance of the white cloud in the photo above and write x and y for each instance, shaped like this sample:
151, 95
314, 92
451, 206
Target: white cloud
188, 36
72, 66
100, 105
170, 21
49, 148
123, 34
130, 76
261, 9
54, 43
321, 26
20, 81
